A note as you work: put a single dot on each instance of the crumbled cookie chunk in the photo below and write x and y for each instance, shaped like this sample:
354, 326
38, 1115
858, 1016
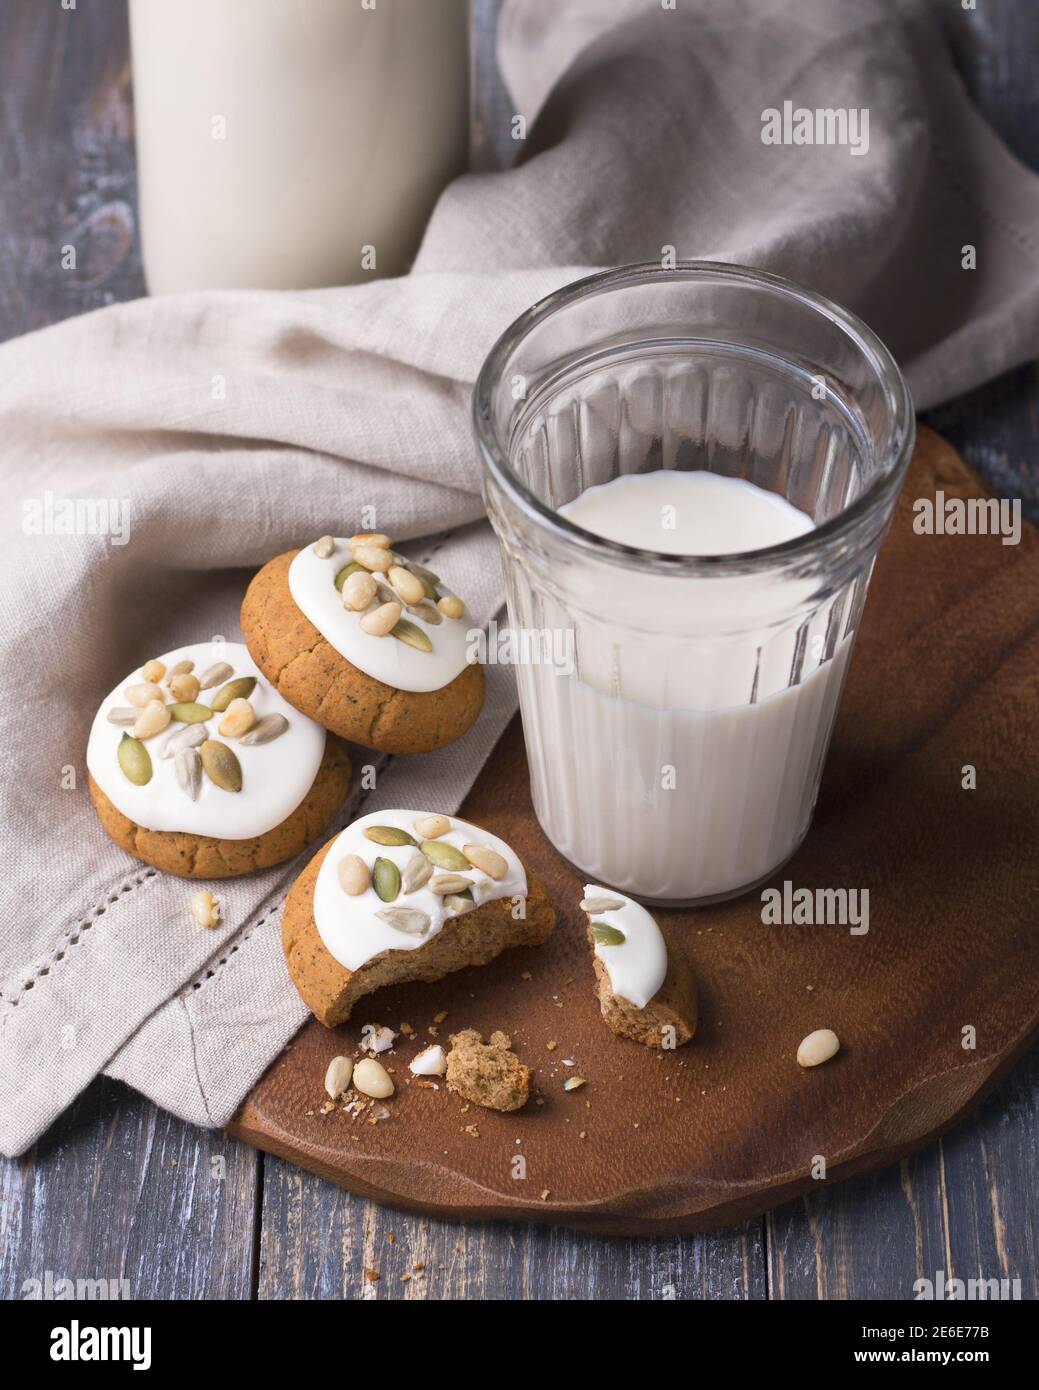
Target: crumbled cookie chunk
487, 1073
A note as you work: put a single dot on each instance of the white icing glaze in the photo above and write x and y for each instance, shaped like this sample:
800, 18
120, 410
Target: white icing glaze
276, 776
637, 968
313, 590
348, 925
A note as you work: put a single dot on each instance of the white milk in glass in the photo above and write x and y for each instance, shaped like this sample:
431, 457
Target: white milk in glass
691, 775
277, 139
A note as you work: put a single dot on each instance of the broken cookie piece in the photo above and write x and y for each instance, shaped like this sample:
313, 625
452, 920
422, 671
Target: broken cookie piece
487, 1073
646, 988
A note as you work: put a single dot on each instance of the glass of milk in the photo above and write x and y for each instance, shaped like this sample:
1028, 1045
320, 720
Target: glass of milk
689, 472
285, 144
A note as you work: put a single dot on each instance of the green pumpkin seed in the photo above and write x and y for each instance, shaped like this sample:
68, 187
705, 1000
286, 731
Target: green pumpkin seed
221, 766
239, 689
412, 635
135, 760
190, 712
388, 835
606, 935
344, 574
386, 879
445, 856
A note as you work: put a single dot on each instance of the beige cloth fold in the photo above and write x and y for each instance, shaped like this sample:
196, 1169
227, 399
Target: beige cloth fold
236, 425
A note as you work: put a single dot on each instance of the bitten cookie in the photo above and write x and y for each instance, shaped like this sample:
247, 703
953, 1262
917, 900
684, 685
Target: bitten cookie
198, 767
646, 988
366, 642
487, 1073
400, 896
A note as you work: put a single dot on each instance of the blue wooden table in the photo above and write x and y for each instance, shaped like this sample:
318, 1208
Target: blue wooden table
120, 1190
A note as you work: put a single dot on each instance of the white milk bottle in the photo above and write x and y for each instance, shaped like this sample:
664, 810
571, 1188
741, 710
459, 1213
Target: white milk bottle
293, 143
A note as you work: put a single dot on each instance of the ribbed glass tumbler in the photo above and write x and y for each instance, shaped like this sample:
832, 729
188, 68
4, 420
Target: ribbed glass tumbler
677, 710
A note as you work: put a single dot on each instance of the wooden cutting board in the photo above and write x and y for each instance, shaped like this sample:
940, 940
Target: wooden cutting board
945, 674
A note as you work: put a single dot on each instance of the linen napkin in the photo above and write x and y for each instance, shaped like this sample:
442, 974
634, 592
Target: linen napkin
222, 428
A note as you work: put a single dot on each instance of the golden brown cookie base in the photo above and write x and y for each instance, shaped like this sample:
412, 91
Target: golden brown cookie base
330, 991
673, 1006
487, 1073
309, 673
204, 856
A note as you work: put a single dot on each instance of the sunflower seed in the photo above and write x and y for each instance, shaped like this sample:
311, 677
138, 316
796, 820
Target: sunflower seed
412, 635
182, 668
605, 935
134, 760
415, 873
123, 714
266, 730
443, 884
406, 919
240, 689
222, 767
444, 856
386, 879
601, 904
428, 612
187, 736
216, 673
387, 835
188, 767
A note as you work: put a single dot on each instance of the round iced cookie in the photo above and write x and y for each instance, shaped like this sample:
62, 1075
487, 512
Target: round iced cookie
645, 985
366, 642
199, 767
405, 895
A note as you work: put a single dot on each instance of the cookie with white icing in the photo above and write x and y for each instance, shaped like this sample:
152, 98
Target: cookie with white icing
199, 767
368, 643
645, 985
405, 895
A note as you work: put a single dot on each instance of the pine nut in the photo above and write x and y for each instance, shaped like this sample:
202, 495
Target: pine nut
359, 591
205, 909
184, 688
370, 538
152, 720
337, 1077
450, 606
324, 548
238, 720
487, 859
380, 622
354, 877
432, 827
153, 671
141, 695
818, 1047
372, 1079
411, 590
372, 557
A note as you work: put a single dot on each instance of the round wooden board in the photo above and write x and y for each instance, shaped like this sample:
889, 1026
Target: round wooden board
945, 674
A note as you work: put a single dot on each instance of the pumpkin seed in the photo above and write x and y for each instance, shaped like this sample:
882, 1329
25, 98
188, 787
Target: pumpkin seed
601, 904
123, 714
188, 767
386, 879
344, 574
353, 875
266, 730
444, 856
415, 873
222, 767
187, 736
406, 919
240, 689
460, 902
605, 935
219, 671
135, 760
387, 835
443, 884
190, 712
412, 635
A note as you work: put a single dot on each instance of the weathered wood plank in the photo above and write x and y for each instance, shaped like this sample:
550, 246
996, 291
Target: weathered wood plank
120, 1190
